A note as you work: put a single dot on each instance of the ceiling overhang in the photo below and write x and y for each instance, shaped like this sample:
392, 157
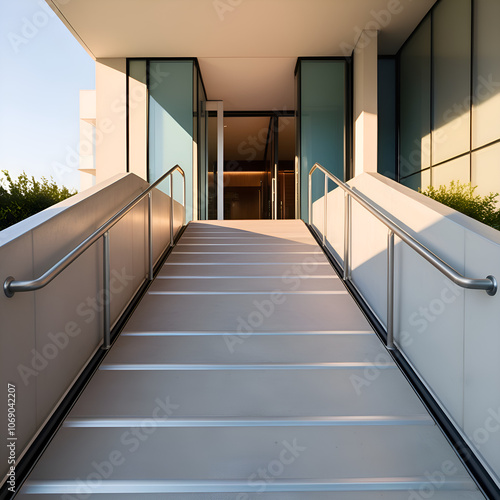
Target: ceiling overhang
244, 46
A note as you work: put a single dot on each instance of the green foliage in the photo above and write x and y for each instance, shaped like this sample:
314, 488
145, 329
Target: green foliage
24, 197
461, 197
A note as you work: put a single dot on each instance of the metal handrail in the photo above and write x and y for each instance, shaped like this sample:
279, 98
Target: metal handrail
12, 286
489, 284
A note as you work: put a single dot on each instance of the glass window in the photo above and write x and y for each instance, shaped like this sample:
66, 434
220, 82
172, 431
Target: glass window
420, 180
486, 73
387, 144
451, 79
454, 170
486, 170
171, 123
202, 151
415, 101
322, 122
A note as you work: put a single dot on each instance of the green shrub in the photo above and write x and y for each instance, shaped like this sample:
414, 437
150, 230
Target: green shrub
461, 197
24, 197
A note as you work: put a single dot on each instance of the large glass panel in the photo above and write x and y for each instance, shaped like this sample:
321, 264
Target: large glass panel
196, 136
202, 152
486, 170
286, 167
171, 124
420, 180
298, 153
387, 136
486, 79
415, 102
247, 167
451, 79
322, 122
211, 165
454, 170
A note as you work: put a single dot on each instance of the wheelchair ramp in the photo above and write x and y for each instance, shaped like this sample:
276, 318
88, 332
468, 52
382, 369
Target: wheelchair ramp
249, 372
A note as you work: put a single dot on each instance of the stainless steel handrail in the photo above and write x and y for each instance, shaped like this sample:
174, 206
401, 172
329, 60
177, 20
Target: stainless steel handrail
489, 284
12, 286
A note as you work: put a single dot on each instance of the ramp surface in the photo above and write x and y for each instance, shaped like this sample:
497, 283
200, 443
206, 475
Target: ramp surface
248, 372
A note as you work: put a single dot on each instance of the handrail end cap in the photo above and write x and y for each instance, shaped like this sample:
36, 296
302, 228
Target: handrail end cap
6, 287
492, 291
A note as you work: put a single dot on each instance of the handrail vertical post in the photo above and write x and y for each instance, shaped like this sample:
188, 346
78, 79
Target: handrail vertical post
310, 199
171, 210
106, 293
184, 218
390, 290
347, 235
325, 214
150, 235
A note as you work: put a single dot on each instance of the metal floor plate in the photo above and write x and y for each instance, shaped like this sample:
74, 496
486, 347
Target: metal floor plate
230, 382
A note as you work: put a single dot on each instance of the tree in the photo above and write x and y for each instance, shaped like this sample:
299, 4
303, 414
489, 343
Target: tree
26, 196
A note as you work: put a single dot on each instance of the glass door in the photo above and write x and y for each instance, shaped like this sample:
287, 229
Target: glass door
213, 183
273, 148
282, 167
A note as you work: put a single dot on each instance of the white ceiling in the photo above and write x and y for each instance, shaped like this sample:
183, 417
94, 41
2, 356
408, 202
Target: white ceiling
247, 48
250, 84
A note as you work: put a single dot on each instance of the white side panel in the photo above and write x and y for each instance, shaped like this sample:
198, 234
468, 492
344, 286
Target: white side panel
49, 335
17, 340
161, 222
448, 334
482, 354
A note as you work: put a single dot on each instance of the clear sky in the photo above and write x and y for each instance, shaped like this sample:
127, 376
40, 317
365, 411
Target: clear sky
42, 69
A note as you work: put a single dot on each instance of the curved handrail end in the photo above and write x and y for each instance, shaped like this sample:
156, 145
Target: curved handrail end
48, 276
489, 285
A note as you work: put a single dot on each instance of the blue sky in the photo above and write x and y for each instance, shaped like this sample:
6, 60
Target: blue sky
42, 71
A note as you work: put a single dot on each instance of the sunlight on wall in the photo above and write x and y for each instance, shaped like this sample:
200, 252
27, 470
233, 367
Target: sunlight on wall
436, 322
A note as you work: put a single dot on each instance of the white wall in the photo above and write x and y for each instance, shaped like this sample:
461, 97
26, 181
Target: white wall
111, 117
138, 120
451, 336
49, 335
365, 58
87, 139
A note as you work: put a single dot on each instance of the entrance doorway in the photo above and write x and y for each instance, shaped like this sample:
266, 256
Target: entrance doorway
259, 176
